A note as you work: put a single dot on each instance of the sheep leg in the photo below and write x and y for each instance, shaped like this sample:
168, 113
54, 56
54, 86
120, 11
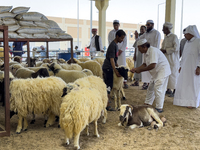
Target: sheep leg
50, 120
25, 124
76, 141
66, 140
19, 126
45, 119
33, 119
119, 98
104, 116
133, 126
115, 98
95, 128
123, 94
156, 117
87, 130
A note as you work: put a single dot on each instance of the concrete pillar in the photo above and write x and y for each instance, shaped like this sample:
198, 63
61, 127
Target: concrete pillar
170, 12
102, 6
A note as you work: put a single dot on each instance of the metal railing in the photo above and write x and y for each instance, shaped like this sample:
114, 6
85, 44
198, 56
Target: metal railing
54, 54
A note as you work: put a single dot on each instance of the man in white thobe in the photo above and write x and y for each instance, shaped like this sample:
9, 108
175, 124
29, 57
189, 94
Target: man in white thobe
121, 46
170, 47
158, 66
138, 58
153, 37
95, 44
188, 84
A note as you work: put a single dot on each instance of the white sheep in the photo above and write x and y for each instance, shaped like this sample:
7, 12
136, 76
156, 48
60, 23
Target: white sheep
36, 96
44, 65
20, 72
83, 59
13, 68
130, 65
100, 60
94, 66
79, 108
87, 72
97, 83
117, 89
38, 64
66, 75
71, 66
61, 60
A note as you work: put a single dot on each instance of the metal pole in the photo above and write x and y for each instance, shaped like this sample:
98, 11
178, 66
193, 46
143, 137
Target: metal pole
90, 20
158, 18
128, 38
158, 15
181, 30
28, 54
78, 23
47, 49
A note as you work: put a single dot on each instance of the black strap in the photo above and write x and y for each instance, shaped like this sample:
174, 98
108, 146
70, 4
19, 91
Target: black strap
97, 43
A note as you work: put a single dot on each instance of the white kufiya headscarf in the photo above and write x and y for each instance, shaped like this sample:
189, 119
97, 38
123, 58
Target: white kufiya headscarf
168, 25
192, 29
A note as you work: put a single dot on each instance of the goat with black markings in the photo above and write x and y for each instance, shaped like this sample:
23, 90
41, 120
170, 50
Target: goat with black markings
139, 116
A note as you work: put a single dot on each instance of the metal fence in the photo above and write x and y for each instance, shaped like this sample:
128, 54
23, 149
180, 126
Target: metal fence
54, 54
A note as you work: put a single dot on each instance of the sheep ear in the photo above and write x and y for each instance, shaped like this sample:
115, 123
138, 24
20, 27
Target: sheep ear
130, 111
64, 92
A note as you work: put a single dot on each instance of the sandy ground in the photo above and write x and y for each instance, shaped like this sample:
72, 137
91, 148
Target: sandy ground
181, 132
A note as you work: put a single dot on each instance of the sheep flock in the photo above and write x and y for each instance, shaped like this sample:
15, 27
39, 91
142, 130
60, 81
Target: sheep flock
75, 93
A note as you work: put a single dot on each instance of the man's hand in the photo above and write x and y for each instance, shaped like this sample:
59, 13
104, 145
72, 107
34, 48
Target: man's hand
136, 34
117, 73
163, 50
135, 70
179, 70
198, 71
119, 52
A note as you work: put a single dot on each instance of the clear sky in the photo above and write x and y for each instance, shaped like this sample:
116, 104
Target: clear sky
127, 11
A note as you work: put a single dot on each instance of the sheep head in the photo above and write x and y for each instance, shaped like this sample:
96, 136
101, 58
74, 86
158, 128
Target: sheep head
123, 71
68, 88
125, 112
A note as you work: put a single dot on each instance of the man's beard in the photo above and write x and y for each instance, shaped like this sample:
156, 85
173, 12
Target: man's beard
148, 30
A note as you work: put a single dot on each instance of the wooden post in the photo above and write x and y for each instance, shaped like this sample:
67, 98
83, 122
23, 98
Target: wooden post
72, 52
47, 50
28, 54
6, 82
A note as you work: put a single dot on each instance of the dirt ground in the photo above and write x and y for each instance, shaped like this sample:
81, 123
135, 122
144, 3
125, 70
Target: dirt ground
181, 132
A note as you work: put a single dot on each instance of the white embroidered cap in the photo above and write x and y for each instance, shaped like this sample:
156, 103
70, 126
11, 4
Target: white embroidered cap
141, 42
168, 25
149, 21
116, 22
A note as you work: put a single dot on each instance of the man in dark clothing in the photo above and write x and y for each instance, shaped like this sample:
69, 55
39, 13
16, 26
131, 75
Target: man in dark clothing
111, 62
95, 44
17, 46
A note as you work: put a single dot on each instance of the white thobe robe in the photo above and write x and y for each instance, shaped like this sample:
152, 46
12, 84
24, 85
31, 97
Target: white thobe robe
121, 46
153, 37
188, 84
171, 45
93, 49
159, 76
138, 62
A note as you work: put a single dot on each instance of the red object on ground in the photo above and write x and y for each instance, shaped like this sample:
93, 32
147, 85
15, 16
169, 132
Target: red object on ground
87, 53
